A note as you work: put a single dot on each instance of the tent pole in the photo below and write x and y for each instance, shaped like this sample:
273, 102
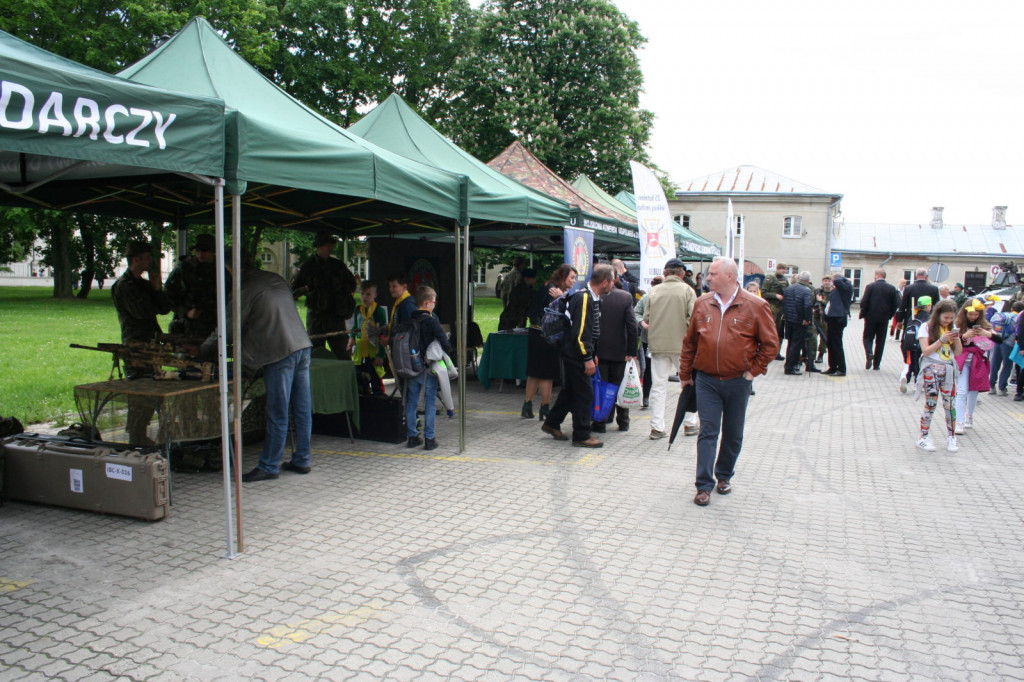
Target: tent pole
236, 331
463, 330
222, 366
460, 318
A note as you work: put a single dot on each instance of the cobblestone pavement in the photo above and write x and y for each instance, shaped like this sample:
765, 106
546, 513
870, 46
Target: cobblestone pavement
843, 553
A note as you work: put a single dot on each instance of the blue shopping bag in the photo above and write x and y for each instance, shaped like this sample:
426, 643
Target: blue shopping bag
605, 393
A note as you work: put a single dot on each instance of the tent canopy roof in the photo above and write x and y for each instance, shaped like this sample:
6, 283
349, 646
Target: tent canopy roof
297, 168
395, 126
64, 121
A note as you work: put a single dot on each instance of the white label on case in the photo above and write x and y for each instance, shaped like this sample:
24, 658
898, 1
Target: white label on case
119, 471
77, 486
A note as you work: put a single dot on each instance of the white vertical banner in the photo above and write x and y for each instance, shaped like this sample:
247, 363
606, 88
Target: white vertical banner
730, 232
742, 253
657, 241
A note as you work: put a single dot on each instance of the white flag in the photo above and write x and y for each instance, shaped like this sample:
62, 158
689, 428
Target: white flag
657, 240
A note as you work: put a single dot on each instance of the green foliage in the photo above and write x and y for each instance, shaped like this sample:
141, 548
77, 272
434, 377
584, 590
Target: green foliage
562, 77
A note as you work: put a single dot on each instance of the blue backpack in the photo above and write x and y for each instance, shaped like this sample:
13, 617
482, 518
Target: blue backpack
1006, 325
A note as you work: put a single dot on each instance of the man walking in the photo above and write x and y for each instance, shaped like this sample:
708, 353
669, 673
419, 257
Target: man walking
731, 340
797, 308
579, 360
328, 286
274, 340
837, 310
616, 344
877, 307
920, 287
667, 314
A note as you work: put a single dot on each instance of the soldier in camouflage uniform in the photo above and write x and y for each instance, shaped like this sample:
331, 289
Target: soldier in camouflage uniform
328, 286
772, 291
138, 301
821, 295
192, 291
519, 299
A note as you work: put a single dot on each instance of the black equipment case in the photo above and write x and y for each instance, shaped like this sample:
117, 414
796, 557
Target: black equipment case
382, 419
80, 474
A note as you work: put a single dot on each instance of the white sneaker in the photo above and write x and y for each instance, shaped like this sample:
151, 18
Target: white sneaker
926, 444
959, 429
903, 384
969, 421
951, 445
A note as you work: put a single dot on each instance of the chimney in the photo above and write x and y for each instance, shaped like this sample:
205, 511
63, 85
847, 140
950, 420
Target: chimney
998, 217
936, 217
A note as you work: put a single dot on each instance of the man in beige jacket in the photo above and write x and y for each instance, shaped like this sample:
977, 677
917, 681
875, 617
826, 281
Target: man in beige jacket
666, 319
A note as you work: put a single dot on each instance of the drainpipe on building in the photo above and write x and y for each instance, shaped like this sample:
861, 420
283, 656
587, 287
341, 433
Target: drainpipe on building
828, 235
882, 264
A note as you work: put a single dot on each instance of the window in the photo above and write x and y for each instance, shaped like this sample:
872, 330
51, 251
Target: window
740, 222
683, 219
791, 226
908, 275
480, 275
266, 257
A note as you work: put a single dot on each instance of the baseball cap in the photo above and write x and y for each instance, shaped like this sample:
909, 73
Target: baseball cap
139, 247
205, 242
324, 237
674, 263
924, 300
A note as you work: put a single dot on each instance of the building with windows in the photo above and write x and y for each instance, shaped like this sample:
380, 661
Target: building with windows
965, 254
782, 220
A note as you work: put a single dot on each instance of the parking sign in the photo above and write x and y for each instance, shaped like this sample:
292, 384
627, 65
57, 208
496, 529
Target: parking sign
837, 260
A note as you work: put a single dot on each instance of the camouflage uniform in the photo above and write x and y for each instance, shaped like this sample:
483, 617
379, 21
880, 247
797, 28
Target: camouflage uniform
773, 285
519, 299
811, 339
137, 304
328, 285
193, 284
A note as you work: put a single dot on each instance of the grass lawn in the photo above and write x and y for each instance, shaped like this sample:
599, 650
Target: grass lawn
39, 370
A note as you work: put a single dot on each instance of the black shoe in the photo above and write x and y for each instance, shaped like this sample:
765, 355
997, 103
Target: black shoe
289, 466
527, 412
598, 427
625, 427
821, 358
876, 368
780, 357
414, 441
794, 372
811, 369
430, 444
835, 373
867, 362
544, 411
258, 474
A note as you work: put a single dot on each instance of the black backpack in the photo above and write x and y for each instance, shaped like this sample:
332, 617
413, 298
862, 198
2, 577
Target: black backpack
909, 342
405, 354
555, 324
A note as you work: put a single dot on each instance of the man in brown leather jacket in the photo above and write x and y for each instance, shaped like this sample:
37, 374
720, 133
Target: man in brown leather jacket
731, 339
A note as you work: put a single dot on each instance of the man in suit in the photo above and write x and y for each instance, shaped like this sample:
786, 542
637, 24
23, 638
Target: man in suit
877, 306
912, 292
836, 311
616, 344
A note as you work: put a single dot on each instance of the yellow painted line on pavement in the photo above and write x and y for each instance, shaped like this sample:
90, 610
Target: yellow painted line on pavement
11, 585
300, 631
590, 460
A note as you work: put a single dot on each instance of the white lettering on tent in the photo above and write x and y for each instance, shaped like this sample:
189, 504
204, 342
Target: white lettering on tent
162, 127
7, 89
52, 113
92, 119
108, 134
130, 138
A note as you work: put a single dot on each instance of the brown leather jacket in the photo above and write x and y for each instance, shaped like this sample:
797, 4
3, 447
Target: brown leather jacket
744, 339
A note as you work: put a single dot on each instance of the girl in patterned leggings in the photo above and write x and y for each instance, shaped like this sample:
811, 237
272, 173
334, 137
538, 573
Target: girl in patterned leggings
938, 372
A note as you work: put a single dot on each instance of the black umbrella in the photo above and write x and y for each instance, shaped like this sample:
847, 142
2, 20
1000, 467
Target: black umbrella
687, 403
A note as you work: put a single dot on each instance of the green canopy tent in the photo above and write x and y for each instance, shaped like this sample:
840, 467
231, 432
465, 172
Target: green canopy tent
74, 138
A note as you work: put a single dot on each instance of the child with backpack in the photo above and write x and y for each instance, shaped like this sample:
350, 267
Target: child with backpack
429, 329
911, 349
1004, 323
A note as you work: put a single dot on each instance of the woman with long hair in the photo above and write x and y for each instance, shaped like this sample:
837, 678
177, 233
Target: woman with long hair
940, 343
977, 338
543, 365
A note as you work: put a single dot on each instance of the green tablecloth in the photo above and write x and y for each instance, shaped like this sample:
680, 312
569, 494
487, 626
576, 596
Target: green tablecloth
504, 357
333, 385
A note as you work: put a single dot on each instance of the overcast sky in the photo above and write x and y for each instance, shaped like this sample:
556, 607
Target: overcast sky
898, 105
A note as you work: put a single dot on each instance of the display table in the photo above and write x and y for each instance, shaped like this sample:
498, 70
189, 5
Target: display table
504, 357
333, 385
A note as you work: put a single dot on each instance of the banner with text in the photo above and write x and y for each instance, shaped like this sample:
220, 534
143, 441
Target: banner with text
657, 244
578, 244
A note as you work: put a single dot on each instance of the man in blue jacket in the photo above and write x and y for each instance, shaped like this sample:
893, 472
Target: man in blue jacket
797, 309
837, 310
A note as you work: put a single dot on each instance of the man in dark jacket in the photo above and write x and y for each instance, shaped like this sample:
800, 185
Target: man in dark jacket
328, 286
877, 307
616, 345
430, 331
797, 309
912, 292
192, 290
837, 310
580, 361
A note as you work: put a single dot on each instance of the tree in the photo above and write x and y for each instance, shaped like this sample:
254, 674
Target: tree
562, 77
